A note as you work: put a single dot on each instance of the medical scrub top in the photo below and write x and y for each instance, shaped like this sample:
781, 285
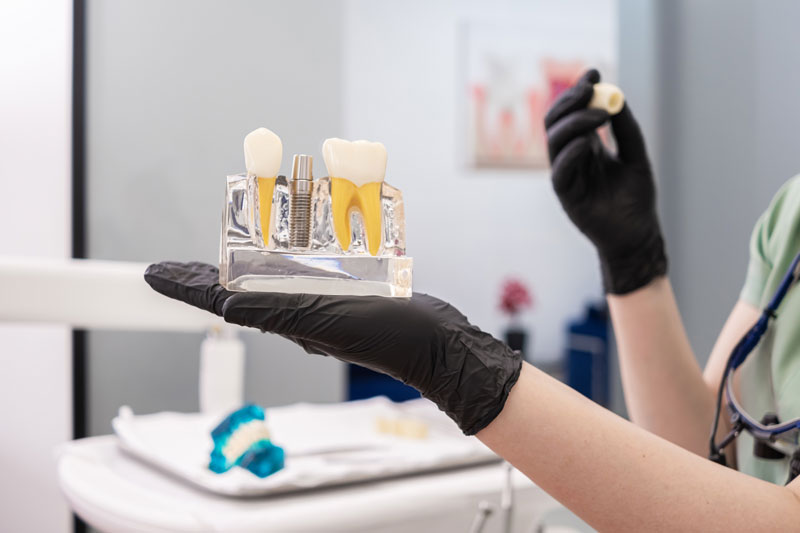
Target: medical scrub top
770, 377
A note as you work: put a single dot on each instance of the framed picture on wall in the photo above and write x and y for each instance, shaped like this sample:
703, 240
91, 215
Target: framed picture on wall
513, 73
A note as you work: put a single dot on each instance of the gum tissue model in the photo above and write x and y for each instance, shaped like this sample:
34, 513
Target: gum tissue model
342, 234
242, 439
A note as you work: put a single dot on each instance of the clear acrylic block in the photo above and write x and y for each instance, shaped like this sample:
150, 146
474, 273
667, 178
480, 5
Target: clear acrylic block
259, 253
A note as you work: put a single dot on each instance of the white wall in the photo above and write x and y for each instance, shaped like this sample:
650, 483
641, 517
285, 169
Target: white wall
35, 384
466, 230
170, 99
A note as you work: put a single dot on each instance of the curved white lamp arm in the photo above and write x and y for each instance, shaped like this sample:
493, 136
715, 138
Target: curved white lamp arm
91, 294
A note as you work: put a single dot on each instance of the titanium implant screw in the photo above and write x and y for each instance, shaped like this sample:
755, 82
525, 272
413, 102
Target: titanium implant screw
300, 187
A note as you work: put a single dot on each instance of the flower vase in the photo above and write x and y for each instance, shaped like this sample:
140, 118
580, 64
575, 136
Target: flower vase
516, 336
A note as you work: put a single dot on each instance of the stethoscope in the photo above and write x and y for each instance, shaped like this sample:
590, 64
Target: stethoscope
774, 440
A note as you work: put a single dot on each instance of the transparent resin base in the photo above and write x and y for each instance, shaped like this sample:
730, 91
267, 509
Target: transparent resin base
256, 252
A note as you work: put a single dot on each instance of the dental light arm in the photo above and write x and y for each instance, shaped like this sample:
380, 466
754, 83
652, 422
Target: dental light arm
91, 294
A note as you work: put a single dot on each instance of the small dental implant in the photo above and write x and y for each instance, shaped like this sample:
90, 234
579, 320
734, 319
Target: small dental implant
300, 186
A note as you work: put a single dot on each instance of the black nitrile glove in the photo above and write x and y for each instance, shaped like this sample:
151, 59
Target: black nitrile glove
610, 197
422, 341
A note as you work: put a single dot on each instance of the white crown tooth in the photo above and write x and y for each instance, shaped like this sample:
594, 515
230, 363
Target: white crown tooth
263, 151
360, 162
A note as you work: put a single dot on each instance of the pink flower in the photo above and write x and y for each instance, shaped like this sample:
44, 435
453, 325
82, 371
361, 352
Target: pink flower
515, 297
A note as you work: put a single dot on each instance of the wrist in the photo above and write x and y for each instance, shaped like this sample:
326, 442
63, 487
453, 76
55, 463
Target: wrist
477, 392
655, 288
626, 272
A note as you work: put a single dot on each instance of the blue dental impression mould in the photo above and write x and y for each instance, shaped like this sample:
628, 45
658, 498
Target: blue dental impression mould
242, 439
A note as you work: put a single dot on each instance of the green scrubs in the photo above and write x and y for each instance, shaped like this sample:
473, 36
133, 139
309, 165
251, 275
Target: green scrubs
770, 377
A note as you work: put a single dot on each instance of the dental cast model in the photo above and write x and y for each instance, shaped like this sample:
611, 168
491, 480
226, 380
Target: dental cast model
242, 439
263, 151
356, 170
342, 234
607, 96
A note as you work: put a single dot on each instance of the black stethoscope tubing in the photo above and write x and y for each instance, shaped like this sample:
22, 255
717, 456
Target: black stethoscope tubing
782, 436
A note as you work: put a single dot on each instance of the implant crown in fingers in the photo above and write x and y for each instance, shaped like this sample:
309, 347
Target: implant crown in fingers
608, 97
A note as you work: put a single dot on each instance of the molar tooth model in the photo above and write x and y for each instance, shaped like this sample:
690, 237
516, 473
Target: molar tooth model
343, 234
356, 171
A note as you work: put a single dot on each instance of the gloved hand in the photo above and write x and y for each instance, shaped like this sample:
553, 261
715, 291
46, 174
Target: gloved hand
610, 197
422, 341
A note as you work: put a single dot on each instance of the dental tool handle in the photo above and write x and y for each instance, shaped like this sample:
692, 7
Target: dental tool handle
507, 498
300, 187
222, 360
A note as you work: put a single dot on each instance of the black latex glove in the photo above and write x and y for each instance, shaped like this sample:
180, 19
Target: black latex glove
422, 341
610, 197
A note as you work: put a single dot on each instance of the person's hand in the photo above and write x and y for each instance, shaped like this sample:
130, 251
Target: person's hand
422, 341
610, 197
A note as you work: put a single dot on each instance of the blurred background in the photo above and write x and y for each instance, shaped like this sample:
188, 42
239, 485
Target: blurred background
164, 92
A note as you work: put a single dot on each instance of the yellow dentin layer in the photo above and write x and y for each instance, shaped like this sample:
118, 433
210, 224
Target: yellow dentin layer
266, 188
345, 197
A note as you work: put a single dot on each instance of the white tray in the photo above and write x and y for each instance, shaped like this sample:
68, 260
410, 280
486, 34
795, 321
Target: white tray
325, 445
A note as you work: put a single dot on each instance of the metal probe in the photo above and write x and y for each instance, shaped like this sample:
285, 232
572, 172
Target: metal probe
300, 186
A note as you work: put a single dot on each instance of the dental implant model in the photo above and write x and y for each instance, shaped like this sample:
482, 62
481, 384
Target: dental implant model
300, 191
343, 234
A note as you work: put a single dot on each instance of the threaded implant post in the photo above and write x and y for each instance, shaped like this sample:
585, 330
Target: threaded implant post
300, 187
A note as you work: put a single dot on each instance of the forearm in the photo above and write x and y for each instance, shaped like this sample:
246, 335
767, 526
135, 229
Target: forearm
663, 384
619, 477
